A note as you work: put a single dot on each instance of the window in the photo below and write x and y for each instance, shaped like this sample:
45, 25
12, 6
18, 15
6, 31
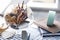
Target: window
43, 3
46, 1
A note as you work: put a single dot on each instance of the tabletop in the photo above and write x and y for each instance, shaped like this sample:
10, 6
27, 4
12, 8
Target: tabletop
31, 28
38, 14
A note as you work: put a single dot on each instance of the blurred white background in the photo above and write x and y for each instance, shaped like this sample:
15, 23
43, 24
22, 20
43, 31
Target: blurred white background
4, 3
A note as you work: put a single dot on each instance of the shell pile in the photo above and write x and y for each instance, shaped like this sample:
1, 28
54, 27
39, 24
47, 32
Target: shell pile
17, 16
